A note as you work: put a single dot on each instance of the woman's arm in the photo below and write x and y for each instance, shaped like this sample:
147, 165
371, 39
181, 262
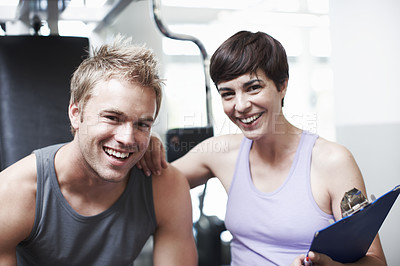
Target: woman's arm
214, 157
334, 171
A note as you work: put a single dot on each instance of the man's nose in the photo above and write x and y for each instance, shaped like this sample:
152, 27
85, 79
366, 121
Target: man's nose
125, 134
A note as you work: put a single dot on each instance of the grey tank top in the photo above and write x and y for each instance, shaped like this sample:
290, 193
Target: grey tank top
61, 236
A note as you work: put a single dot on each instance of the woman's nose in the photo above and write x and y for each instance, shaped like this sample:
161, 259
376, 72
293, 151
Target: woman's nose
242, 104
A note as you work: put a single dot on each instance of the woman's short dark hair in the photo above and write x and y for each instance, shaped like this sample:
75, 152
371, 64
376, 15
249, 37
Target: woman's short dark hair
246, 52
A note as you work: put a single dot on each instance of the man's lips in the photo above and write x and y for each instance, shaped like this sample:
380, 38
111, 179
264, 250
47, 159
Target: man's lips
117, 154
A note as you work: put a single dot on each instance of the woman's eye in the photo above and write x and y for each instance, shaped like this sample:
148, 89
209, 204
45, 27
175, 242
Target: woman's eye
226, 94
255, 87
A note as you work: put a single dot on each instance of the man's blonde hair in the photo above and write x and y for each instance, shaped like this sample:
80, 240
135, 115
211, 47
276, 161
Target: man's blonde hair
119, 60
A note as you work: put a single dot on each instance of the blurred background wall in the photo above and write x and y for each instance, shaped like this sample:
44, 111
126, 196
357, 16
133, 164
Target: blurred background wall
365, 62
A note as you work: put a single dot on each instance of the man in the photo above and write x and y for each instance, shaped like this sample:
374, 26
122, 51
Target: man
84, 202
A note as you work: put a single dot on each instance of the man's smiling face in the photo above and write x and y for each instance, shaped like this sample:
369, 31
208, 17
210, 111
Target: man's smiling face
113, 130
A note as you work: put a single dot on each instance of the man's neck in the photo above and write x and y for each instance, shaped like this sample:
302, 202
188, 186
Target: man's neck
86, 193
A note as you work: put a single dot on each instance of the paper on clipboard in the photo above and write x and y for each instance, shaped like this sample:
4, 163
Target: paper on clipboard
349, 239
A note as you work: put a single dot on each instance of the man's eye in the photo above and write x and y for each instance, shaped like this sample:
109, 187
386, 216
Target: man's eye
112, 118
143, 126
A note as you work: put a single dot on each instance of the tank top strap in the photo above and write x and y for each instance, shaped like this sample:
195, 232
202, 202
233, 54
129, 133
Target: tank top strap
308, 141
242, 165
301, 167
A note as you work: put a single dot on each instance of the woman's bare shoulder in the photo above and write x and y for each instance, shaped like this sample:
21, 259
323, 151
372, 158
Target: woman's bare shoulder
330, 154
335, 167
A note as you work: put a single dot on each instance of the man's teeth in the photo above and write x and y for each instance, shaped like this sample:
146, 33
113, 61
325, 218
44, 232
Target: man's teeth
250, 119
117, 154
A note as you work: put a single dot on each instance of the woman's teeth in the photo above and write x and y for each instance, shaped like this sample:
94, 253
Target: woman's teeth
248, 120
121, 155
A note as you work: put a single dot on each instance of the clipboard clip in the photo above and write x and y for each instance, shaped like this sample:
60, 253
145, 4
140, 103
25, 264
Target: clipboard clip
353, 201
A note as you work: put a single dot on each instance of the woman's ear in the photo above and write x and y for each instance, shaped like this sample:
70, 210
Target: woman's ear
283, 91
284, 88
74, 115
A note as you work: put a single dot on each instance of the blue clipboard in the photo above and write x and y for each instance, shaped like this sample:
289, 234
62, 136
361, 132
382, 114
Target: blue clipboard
349, 239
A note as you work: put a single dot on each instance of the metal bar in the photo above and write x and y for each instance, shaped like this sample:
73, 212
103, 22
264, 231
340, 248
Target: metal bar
114, 12
155, 7
22, 12
52, 16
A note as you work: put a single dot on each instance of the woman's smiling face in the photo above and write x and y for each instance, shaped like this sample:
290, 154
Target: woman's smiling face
253, 103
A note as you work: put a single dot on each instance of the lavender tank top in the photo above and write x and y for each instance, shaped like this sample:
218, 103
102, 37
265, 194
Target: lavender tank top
273, 228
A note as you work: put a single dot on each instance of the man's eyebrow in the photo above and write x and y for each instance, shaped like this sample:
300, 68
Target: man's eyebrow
112, 111
146, 119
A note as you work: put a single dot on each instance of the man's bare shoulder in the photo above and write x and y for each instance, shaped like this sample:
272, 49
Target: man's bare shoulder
18, 199
171, 194
19, 178
173, 240
170, 178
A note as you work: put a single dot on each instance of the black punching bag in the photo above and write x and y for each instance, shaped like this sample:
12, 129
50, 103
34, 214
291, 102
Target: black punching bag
35, 73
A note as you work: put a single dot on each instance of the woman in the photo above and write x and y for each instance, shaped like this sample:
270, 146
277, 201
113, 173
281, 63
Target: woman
283, 183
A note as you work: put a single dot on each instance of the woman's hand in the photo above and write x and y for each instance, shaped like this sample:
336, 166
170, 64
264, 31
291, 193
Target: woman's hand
314, 259
154, 159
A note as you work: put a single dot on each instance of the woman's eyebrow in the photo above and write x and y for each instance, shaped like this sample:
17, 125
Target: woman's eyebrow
224, 89
248, 83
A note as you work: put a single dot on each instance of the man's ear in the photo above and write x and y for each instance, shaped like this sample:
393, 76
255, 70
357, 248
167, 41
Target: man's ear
74, 115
